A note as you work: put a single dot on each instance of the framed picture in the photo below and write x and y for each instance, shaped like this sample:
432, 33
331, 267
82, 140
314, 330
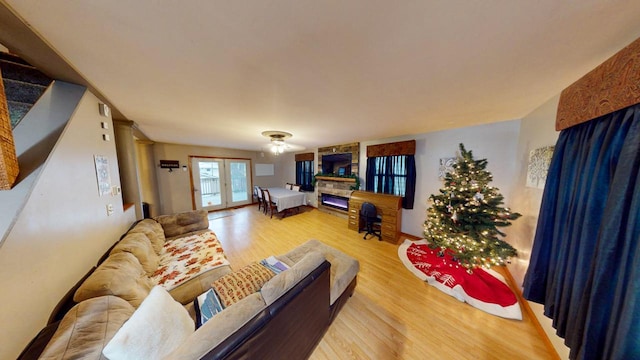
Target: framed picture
103, 175
539, 161
446, 166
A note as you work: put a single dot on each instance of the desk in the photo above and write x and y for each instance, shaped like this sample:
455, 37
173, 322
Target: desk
389, 207
287, 199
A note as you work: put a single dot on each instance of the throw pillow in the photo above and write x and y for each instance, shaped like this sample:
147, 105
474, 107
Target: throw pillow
182, 223
206, 306
155, 329
274, 264
234, 286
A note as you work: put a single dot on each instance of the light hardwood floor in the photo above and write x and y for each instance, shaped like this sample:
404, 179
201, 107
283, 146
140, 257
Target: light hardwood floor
392, 315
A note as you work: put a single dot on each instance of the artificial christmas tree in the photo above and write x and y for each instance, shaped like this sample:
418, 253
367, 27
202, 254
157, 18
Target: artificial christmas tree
464, 219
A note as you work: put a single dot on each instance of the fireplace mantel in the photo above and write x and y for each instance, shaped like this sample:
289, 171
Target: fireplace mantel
335, 178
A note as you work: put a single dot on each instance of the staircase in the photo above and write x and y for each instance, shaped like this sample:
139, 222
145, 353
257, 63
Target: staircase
23, 85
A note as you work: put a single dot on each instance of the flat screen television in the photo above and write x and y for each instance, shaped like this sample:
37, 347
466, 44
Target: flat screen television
337, 164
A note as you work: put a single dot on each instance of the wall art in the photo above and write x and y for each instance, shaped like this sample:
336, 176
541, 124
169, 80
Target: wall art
103, 174
446, 166
539, 161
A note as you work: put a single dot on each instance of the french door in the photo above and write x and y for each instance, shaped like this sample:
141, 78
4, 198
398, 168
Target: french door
220, 183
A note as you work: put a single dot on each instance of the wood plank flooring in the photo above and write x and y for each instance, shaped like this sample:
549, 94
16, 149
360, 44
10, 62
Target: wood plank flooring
392, 315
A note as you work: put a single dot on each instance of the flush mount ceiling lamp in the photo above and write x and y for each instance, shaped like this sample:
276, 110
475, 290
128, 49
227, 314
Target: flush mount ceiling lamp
278, 144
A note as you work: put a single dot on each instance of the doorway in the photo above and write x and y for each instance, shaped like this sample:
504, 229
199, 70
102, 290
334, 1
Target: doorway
219, 183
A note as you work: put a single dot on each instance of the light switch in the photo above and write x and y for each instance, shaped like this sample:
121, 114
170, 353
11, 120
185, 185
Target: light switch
106, 137
109, 209
104, 125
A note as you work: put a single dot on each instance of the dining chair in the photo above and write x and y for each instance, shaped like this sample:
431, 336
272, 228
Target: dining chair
257, 194
268, 204
263, 200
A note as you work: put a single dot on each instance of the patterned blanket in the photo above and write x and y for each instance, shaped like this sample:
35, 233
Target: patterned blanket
185, 258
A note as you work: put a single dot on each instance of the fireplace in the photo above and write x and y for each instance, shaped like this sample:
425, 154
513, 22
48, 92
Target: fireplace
335, 201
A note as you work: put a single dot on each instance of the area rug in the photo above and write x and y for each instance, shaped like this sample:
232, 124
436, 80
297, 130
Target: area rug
484, 289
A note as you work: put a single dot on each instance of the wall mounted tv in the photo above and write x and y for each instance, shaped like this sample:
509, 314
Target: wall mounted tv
337, 164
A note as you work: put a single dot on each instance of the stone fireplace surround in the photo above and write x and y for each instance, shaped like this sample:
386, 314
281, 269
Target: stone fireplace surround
334, 185
335, 201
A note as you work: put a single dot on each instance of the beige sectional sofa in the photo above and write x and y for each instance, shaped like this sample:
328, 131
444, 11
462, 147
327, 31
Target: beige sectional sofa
138, 302
165, 251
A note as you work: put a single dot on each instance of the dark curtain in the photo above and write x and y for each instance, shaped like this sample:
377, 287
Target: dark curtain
585, 262
304, 175
383, 177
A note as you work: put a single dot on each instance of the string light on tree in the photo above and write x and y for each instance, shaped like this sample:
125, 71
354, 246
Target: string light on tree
464, 218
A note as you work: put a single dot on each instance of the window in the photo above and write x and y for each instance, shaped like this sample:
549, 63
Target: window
304, 171
391, 169
390, 175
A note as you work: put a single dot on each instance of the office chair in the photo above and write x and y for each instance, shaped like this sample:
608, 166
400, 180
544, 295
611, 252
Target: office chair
369, 214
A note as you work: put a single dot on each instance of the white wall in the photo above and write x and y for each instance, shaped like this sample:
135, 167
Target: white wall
496, 142
35, 136
537, 130
62, 230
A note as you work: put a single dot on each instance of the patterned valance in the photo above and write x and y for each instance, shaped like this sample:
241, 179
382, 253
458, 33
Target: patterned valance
304, 157
612, 86
392, 149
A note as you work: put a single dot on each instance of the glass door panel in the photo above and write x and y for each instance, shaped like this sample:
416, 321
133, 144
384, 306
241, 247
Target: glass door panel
208, 183
220, 183
240, 189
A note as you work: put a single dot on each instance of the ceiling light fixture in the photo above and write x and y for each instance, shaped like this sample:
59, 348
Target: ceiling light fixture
278, 145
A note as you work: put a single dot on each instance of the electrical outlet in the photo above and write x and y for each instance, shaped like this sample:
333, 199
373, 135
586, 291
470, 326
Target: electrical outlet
109, 209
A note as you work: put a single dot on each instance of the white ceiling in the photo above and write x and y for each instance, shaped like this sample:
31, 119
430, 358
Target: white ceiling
219, 73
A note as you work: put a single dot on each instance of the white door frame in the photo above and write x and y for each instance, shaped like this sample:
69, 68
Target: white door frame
225, 197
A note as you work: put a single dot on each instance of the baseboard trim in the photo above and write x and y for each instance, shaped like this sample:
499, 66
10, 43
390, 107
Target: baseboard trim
525, 306
523, 302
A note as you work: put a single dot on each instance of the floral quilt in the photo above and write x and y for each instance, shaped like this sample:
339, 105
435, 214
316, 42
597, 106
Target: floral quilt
185, 258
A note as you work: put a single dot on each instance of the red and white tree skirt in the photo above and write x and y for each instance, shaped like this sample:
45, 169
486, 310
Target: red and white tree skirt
484, 289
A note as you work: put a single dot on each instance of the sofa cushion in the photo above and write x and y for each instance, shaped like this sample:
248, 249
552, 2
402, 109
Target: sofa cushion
344, 268
218, 328
120, 275
155, 329
182, 223
187, 291
154, 233
234, 286
287, 279
87, 327
139, 245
